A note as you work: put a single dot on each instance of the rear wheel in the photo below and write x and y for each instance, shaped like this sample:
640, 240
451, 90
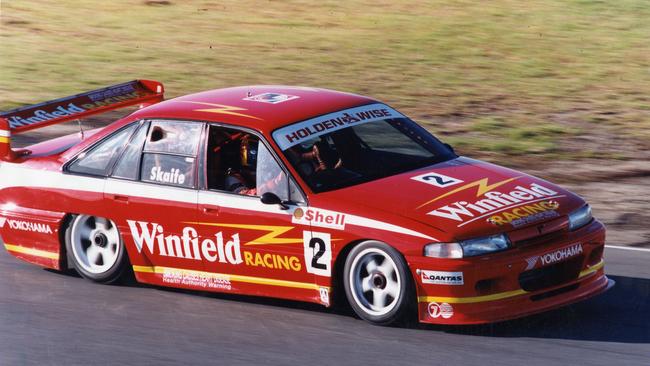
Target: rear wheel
96, 248
377, 283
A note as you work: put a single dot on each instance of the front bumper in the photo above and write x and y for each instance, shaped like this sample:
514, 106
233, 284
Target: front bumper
514, 283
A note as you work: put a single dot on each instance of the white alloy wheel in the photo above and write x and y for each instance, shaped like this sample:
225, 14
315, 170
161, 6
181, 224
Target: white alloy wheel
96, 245
377, 283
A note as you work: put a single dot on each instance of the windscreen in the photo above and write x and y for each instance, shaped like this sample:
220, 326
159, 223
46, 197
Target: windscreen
358, 145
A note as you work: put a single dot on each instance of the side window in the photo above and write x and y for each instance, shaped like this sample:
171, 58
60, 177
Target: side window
129, 164
294, 192
170, 153
270, 177
174, 137
98, 160
238, 162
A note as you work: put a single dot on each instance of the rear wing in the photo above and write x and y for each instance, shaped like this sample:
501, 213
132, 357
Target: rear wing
19, 120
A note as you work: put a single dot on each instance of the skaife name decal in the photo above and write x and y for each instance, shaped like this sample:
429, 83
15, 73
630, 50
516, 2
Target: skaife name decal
461, 211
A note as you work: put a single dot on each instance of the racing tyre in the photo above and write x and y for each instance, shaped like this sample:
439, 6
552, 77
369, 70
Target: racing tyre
378, 284
95, 248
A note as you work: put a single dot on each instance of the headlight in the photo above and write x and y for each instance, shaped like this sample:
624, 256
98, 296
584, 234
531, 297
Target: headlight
580, 217
443, 250
467, 248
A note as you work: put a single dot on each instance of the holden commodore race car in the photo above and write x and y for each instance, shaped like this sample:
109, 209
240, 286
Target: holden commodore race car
296, 193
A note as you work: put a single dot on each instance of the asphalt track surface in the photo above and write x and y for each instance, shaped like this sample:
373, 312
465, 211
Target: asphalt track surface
51, 318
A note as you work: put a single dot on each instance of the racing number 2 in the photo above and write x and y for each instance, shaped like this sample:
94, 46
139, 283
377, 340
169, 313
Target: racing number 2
318, 253
313, 243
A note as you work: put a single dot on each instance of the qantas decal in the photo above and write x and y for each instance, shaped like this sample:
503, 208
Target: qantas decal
441, 278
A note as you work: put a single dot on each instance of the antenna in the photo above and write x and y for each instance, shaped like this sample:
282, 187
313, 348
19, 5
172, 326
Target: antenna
81, 129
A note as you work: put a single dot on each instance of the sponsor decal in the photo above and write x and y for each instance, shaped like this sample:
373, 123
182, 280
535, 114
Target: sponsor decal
297, 133
318, 253
524, 215
272, 261
173, 176
437, 179
443, 310
271, 98
26, 226
320, 218
493, 201
196, 279
298, 213
325, 295
441, 278
151, 237
221, 109
82, 103
554, 256
42, 116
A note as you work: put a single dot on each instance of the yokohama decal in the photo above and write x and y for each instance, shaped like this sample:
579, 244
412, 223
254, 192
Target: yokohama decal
554, 257
26, 226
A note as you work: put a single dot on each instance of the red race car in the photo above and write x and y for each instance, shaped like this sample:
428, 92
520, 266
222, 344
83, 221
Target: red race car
294, 193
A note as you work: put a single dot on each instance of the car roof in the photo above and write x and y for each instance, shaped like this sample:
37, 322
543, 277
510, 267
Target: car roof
261, 107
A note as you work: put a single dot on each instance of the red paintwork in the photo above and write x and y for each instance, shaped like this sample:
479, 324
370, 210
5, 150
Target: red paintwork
394, 200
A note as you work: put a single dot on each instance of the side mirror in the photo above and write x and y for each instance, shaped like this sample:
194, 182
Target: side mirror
270, 198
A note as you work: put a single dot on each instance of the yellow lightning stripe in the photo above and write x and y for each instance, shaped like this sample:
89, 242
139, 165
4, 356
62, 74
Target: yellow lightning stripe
223, 109
32, 251
271, 237
4, 140
482, 185
231, 277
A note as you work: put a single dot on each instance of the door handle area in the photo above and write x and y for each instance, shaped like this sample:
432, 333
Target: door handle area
120, 198
211, 210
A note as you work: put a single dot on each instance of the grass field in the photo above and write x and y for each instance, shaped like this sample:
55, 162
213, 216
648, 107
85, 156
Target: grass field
557, 79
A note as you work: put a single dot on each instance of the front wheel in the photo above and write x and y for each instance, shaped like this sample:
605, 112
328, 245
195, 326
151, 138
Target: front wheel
377, 283
96, 248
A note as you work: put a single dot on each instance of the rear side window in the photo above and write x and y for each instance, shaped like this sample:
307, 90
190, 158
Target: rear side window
174, 137
97, 161
128, 166
170, 152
